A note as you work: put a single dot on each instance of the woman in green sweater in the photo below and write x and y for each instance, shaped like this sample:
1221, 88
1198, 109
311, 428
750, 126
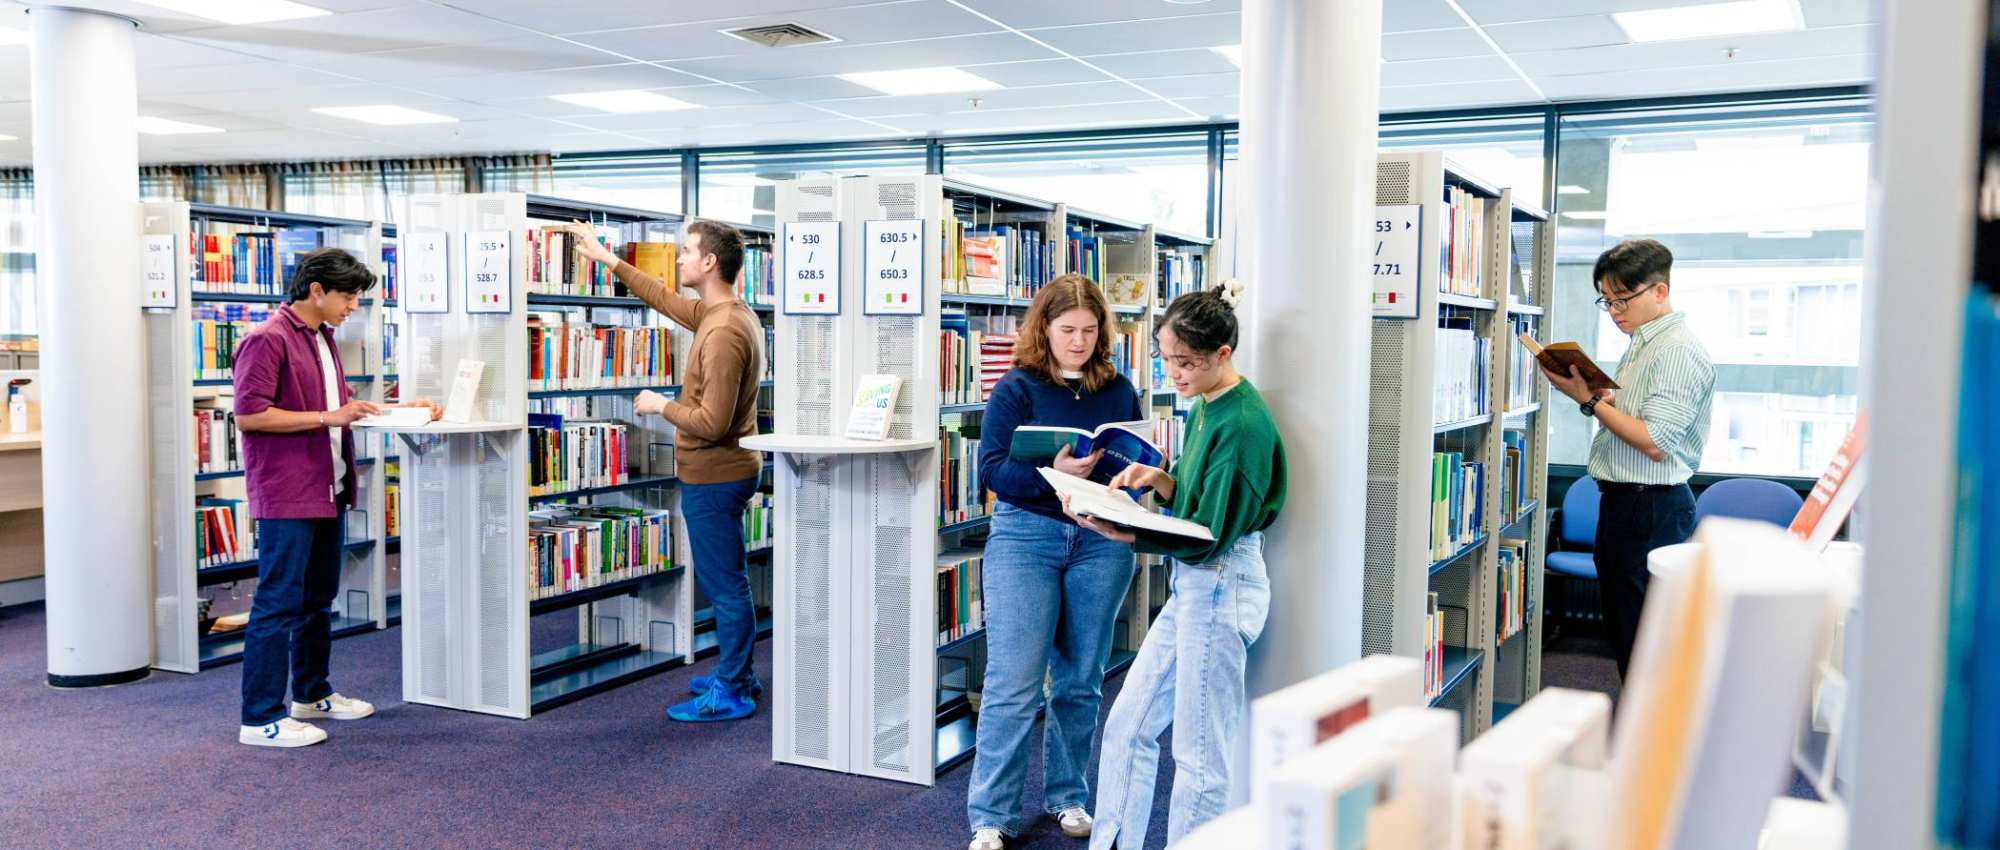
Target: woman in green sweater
1230, 477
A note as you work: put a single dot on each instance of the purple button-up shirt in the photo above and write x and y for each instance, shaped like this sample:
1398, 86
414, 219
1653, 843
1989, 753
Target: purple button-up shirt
290, 476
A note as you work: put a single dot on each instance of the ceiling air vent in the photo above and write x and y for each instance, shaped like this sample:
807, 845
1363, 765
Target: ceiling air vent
781, 35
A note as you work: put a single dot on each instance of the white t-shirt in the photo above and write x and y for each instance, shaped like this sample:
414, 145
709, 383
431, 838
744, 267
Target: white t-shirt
331, 379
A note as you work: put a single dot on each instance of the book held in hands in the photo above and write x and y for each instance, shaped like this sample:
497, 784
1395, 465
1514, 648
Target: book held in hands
1123, 444
1558, 357
1091, 499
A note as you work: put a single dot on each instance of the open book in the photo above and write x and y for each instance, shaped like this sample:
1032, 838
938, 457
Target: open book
396, 417
1091, 499
1124, 444
1559, 356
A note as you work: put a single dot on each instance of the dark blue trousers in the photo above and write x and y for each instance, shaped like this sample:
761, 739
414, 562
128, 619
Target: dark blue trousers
1633, 520
298, 572
714, 517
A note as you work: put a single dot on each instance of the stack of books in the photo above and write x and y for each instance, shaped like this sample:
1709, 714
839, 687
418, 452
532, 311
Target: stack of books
566, 356
218, 329
961, 608
565, 456
1458, 489
224, 533
572, 549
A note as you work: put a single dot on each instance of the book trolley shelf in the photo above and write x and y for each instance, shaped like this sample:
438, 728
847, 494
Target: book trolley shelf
187, 592
870, 679
467, 499
1485, 570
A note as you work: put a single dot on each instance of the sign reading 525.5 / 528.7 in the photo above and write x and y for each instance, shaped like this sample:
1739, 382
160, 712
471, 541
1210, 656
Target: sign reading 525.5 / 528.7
489, 272
812, 268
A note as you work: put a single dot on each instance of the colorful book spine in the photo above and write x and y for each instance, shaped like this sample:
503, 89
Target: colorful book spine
218, 446
961, 606
961, 496
1458, 489
573, 549
579, 356
568, 456
758, 284
759, 528
224, 533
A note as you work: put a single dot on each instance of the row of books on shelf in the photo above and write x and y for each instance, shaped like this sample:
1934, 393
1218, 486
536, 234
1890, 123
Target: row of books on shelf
1180, 273
224, 533
392, 509
1129, 351
1465, 243
555, 267
757, 285
249, 262
392, 282
1522, 367
1511, 590
568, 356
1433, 647
1010, 260
1354, 760
218, 329
970, 361
1514, 482
1458, 488
572, 549
565, 456
218, 446
391, 334
1461, 361
961, 494
1086, 254
961, 605
760, 528
1169, 432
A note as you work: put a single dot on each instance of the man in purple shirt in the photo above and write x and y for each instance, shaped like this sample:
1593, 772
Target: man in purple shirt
293, 408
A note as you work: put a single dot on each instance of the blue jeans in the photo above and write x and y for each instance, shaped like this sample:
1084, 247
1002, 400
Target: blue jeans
1052, 592
714, 517
298, 572
1189, 674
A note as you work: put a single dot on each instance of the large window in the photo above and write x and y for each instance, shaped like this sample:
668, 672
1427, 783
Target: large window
1505, 152
742, 187
1764, 210
17, 253
647, 182
1157, 179
367, 190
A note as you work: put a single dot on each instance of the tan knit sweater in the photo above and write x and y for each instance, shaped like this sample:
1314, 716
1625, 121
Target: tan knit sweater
718, 402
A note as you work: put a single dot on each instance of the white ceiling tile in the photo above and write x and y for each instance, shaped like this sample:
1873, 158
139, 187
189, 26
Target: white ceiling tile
1095, 115
1433, 44
726, 116
1212, 108
256, 76
535, 53
841, 59
359, 32
1495, 93
710, 96
233, 123
1739, 76
1034, 14
1038, 72
1557, 34
1412, 15
802, 131
275, 99
1005, 99
1488, 12
623, 14
810, 88
1160, 34
493, 87
1160, 63
1194, 85
906, 20
151, 51
1435, 71
1833, 13
1831, 41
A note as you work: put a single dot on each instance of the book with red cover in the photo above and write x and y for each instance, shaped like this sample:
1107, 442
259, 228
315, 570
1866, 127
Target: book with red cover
1558, 357
1833, 497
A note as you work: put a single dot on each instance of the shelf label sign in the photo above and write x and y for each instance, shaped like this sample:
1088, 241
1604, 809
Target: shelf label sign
158, 272
812, 268
1395, 269
892, 267
489, 272
426, 260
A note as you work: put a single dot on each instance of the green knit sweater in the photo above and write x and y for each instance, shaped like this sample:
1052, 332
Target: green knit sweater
1230, 476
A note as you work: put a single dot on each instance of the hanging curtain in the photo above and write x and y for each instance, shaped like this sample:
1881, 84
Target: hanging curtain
17, 252
236, 185
525, 173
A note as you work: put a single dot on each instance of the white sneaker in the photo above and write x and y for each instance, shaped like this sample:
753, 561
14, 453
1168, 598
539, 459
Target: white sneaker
1075, 822
987, 838
334, 707
284, 733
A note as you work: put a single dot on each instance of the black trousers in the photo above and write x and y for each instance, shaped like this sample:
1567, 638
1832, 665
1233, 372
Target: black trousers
1633, 520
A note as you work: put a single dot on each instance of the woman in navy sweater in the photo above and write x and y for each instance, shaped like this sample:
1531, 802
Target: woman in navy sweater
1052, 589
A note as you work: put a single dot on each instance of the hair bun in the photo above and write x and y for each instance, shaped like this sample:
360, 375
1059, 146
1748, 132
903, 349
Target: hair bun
1230, 290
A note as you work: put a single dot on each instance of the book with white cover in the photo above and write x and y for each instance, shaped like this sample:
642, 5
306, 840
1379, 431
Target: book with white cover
1719, 682
1293, 720
874, 407
1091, 499
464, 391
396, 417
1519, 784
1382, 785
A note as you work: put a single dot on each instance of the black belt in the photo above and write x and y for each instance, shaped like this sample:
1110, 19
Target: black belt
1623, 487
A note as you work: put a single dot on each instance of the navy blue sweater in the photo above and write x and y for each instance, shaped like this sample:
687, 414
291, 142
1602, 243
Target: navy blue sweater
1025, 398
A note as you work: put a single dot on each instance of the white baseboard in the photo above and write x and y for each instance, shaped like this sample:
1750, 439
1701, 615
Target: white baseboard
21, 591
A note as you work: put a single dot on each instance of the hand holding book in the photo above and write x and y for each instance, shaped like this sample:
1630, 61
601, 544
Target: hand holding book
1080, 467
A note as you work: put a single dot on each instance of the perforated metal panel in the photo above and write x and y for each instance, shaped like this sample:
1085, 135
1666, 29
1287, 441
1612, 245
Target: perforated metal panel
892, 575
812, 347
1392, 183
814, 620
496, 571
170, 472
895, 353
427, 568
1386, 402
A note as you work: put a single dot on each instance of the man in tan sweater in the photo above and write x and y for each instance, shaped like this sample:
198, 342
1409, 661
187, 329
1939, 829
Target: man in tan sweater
717, 408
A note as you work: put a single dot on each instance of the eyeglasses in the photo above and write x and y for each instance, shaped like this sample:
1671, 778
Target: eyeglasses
1617, 305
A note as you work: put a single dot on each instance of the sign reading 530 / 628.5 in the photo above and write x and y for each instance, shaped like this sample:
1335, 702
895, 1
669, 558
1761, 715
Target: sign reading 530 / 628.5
811, 267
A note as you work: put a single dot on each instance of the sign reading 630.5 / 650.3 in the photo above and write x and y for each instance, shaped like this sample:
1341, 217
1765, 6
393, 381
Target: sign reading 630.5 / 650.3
893, 267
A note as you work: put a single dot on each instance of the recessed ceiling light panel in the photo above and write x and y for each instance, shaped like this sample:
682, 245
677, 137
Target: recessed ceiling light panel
165, 127
385, 115
1231, 52
1711, 20
941, 80
241, 11
631, 100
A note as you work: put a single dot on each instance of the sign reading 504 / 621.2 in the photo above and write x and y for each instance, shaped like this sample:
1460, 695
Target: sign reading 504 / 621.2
489, 272
812, 268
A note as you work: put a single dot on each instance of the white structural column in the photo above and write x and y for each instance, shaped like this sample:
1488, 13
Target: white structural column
96, 522
1311, 71
1919, 272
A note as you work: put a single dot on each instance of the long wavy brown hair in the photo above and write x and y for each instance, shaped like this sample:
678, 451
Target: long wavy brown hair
1066, 293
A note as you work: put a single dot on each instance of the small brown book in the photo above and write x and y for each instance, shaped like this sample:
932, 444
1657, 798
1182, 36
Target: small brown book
1559, 356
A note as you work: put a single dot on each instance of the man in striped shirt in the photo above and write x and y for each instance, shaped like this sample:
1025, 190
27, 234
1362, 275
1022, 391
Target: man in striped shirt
1650, 432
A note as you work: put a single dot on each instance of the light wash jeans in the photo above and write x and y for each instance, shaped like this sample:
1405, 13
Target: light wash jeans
1052, 595
1189, 674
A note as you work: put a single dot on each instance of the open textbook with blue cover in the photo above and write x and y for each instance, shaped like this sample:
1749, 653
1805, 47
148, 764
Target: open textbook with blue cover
1123, 444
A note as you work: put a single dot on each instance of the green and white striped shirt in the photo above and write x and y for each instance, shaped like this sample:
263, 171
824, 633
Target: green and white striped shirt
1668, 383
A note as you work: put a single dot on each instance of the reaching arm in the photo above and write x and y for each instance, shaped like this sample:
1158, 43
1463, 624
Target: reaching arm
685, 311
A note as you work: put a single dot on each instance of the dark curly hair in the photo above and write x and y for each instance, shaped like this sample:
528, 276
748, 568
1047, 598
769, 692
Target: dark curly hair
1203, 321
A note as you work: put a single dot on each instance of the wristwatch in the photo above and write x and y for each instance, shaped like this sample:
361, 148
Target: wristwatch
1589, 408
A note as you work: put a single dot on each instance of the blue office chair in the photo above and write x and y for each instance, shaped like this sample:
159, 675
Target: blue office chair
1571, 580
1749, 498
